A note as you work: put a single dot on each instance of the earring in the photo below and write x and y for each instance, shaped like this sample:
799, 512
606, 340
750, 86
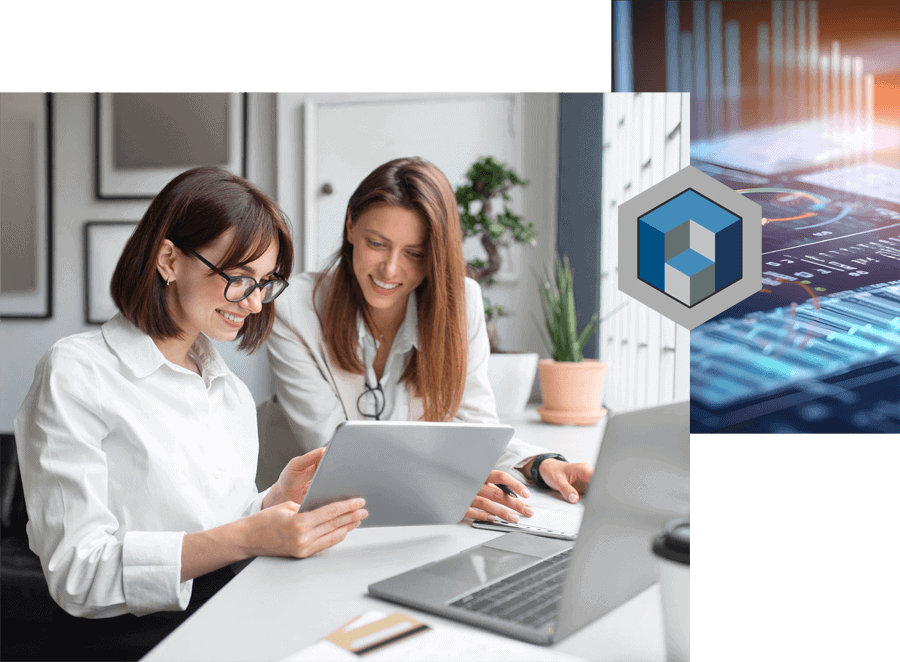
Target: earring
167, 282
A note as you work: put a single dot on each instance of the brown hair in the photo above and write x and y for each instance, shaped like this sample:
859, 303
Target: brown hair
192, 211
438, 370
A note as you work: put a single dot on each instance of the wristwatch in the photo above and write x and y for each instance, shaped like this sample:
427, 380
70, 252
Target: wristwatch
536, 465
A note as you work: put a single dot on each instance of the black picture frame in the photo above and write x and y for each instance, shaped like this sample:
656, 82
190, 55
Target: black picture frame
112, 183
103, 244
40, 304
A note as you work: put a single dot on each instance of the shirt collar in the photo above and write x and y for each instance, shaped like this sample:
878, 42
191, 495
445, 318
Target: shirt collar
141, 355
407, 335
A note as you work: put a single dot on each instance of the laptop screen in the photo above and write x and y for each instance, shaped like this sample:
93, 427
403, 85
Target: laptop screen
641, 481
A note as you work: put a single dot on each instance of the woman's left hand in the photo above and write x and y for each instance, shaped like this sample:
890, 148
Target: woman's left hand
295, 479
568, 478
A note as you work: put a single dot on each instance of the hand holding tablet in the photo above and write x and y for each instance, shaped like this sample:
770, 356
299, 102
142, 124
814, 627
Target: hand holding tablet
409, 473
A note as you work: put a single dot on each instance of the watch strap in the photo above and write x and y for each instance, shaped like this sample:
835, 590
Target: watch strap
536, 466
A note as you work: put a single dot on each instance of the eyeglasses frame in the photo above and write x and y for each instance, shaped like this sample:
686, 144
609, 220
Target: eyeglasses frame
230, 279
373, 391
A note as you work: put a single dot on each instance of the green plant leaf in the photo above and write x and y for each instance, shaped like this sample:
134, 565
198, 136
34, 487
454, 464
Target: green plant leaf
586, 333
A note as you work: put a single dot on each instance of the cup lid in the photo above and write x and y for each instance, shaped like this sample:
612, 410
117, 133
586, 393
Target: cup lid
674, 543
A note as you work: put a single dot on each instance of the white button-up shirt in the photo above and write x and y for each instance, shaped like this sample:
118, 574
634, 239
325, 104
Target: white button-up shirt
123, 452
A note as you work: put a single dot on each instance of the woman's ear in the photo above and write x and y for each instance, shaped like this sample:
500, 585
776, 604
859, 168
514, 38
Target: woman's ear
165, 261
349, 228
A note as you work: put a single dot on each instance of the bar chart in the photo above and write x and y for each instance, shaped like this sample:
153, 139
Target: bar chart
793, 104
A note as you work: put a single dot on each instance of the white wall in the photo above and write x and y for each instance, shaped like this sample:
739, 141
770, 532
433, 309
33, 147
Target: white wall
540, 165
23, 342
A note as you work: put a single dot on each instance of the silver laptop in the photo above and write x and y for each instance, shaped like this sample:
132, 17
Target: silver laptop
409, 472
541, 590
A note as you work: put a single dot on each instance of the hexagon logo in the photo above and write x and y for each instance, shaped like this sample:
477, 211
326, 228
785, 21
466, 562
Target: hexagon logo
690, 247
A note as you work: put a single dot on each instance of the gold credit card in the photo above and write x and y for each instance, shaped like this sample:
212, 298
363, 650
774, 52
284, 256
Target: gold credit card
378, 634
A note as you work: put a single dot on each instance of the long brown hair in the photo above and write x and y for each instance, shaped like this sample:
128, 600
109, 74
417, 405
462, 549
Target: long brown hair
437, 371
192, 211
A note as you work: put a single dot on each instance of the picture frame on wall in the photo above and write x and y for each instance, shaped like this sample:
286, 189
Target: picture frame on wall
143, 140
26, 206
103, 245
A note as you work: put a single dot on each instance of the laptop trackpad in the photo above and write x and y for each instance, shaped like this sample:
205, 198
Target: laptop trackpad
481, 565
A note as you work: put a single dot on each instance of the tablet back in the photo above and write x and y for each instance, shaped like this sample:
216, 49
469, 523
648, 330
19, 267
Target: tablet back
410, 473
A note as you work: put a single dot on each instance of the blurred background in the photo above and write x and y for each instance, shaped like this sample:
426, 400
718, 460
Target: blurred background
757, 62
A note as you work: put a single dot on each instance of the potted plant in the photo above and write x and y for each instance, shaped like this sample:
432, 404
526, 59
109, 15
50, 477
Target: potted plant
484, 214
571, 386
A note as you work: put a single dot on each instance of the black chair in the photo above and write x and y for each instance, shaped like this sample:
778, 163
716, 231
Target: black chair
25, 601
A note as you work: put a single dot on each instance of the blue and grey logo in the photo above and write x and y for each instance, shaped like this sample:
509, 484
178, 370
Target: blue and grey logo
690, 247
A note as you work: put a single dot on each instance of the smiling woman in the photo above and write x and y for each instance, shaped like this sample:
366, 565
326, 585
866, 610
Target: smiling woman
159, 285
393, 330
137, 444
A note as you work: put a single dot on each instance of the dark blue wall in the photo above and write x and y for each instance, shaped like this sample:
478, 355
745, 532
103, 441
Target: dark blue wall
578, 234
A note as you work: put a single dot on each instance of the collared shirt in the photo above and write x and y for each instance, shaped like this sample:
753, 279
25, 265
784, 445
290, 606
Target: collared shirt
396, 398
314, 395
123, 452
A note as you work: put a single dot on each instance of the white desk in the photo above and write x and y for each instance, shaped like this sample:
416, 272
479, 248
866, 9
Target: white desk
278, 606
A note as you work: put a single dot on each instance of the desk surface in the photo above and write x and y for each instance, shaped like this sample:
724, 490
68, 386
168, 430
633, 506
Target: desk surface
276, 606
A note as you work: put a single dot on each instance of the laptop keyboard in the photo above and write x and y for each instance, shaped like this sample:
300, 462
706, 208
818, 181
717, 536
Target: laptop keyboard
826, 366
529, 597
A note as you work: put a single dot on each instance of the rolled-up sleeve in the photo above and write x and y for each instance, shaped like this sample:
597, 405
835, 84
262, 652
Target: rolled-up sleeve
91, 568
478, 403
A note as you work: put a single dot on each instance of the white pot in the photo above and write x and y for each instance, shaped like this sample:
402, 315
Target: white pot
511, 377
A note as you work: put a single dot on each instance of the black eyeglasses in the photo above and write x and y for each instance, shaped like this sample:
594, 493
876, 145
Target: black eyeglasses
371, 400
240, 287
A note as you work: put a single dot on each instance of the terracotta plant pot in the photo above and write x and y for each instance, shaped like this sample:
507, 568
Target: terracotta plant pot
572, 392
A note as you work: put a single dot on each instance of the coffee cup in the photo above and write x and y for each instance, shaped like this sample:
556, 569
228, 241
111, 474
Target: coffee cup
672, 548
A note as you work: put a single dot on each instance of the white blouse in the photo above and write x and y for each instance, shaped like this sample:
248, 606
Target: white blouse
313, 395
123, 452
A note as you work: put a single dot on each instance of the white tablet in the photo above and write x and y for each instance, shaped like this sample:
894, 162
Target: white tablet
410, 473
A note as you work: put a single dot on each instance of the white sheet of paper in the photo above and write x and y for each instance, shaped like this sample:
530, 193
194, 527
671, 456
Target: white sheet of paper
551, 512
437, 645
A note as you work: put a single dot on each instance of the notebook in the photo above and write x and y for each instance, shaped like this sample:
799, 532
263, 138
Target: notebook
553, 518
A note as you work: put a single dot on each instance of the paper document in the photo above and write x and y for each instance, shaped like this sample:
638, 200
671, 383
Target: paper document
552, 517
364, 633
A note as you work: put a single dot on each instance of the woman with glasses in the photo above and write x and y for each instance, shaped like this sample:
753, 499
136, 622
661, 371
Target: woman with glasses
393, 330
138, 445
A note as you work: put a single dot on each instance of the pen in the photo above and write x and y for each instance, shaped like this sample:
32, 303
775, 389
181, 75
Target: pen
507, 490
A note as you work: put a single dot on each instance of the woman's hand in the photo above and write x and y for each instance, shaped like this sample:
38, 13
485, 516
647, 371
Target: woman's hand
276, 531
294, 480
492, 502
568, 478
282, 531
